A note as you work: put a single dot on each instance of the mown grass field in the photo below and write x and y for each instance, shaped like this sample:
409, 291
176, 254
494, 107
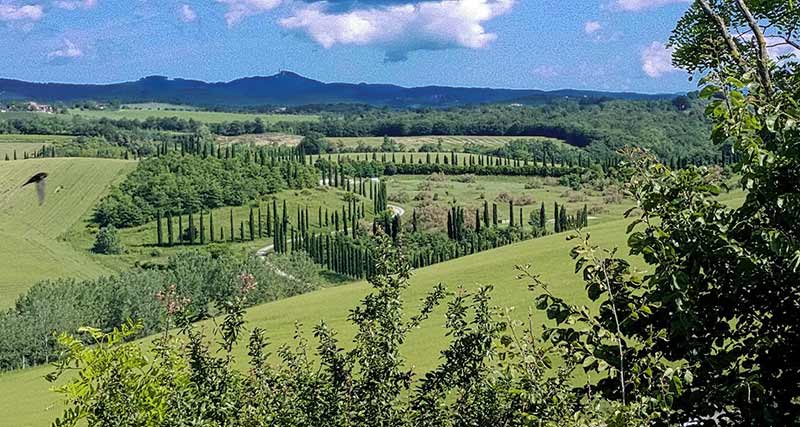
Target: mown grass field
33, 237
27, 143
201, 116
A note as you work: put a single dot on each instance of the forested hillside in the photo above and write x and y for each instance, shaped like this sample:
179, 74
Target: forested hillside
672, 129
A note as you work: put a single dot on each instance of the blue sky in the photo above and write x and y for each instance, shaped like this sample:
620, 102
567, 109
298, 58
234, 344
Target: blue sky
544, 44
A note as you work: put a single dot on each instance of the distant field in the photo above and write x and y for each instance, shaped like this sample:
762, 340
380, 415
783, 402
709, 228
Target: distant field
471, 195
32, 236
20, 115
158, 106
261, 139
202, 116
448, 142
27, 143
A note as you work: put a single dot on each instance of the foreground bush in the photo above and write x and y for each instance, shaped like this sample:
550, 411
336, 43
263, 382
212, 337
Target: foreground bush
494, 372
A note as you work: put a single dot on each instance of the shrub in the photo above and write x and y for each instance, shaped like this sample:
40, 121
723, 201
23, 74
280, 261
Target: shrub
466, 178
107, 242
399, 197
503, 198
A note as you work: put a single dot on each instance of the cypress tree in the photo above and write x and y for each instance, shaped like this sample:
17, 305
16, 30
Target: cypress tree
511, 213
202, 229
260, 223
211, 226
477, 220
251, 225
414, 220
521, 219
556, 220
170, 234
241, 231
159, 230
180, 229
232, 235
190, 230
562, 216
486, 213
542, 217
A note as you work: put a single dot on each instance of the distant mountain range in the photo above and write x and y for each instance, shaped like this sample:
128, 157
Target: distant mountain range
289, 89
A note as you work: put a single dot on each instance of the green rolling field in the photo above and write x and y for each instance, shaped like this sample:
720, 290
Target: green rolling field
471, 195
202, 116
27, 143
33, 237
34, 405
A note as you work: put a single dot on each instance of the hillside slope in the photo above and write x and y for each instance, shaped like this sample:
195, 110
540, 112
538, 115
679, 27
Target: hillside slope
33, 247
34, 405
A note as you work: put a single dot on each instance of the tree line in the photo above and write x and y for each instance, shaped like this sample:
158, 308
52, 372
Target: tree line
51, 307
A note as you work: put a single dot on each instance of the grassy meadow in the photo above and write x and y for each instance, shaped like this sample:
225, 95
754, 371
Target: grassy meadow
33, 237
413, 191
201, 116
27, 143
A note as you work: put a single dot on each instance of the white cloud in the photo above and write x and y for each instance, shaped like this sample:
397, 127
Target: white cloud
637, 5
592, 27
31, 12
187, 14
69, 50
403, 28
657, 60
75, 4
240, 9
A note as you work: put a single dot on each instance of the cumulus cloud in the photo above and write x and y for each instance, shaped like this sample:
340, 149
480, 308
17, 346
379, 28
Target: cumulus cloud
31, 12
401, 28
240, 9
657, 60
187, 14
637, 5
69, 50
591, 27
75, 4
